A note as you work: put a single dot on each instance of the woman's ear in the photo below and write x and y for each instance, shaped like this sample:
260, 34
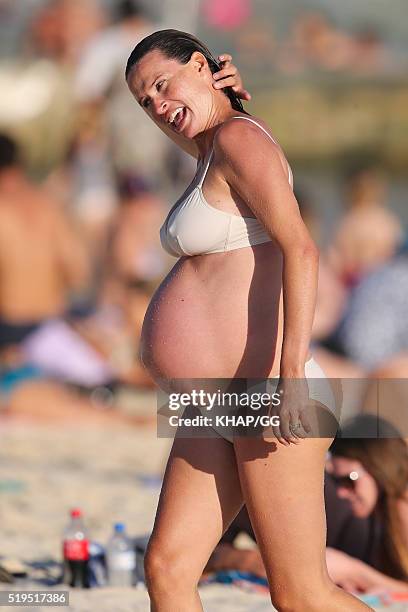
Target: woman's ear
199, 62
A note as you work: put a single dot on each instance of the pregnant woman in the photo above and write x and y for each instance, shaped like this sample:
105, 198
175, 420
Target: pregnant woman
238, 303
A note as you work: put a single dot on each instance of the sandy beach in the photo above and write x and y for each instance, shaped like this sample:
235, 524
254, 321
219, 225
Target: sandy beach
113, 474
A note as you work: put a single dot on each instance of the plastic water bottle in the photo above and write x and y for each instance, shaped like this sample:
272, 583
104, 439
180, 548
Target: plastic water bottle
76, 552
120, 558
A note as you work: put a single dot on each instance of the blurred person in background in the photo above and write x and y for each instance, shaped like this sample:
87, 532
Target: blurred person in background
41, 257
104, 145
99, 89
369, 233
331, 306
52, 29
372, 474
366, 263
135, 251
53, 33
349, 547
371, 56
374, 329
315, 43
42, 263
60, 29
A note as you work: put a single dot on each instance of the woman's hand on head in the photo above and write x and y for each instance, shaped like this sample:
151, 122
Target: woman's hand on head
229, 76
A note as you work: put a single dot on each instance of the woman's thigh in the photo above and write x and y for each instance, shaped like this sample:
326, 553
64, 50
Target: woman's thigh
283, 488
200, 497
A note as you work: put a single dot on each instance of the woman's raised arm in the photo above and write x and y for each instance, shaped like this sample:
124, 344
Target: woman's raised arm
254, 167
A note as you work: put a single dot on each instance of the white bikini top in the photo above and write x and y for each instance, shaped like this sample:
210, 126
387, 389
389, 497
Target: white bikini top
194, 227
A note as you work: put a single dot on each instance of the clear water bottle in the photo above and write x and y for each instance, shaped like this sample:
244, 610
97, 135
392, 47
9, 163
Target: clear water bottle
120, 558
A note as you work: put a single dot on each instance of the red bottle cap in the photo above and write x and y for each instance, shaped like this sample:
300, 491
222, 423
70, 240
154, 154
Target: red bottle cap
76, 512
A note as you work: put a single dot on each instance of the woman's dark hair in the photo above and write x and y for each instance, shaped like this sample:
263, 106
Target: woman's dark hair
382, 451
180, 46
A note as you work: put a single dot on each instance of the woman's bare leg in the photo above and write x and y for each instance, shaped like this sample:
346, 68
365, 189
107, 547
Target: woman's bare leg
200, 497
283, 488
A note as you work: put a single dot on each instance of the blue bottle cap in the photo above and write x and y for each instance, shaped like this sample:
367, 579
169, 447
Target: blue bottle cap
119, 527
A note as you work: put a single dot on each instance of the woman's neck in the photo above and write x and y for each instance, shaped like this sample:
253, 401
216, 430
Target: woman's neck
221, 113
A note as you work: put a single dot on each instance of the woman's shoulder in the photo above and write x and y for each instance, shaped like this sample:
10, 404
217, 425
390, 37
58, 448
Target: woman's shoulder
244, 133
241, 124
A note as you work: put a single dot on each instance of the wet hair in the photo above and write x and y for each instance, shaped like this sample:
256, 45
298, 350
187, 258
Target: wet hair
180, 46
385, 457
8, 152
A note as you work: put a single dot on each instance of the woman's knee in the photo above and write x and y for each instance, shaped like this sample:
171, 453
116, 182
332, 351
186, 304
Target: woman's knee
302, 597
164, 565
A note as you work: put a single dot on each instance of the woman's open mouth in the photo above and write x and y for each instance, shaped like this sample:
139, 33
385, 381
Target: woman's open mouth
177, 118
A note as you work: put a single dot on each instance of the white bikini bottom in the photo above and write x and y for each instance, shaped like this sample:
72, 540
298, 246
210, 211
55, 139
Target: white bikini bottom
320, 390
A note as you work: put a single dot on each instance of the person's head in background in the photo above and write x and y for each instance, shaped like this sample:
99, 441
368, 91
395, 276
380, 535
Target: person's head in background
372, 474
140, 200
135, 257
369, 233
171, 70
10, 162
60, 29
366, 186
128, 12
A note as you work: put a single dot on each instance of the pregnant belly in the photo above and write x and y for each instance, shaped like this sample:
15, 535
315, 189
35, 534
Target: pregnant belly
207, 320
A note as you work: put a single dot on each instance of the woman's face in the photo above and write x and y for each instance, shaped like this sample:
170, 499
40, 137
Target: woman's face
178, 95
355, 484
